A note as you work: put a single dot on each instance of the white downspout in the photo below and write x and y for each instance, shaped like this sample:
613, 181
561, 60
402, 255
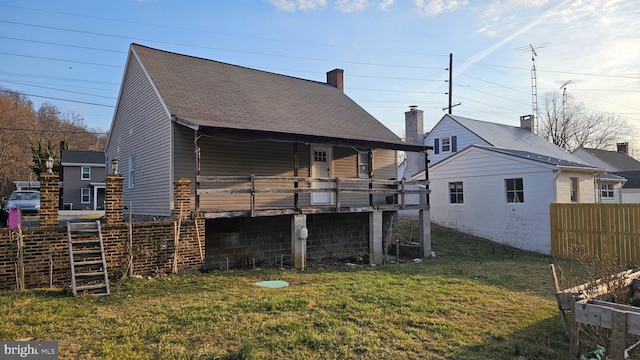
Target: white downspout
555, 184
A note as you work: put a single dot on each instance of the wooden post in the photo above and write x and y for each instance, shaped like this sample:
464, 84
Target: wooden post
617, 346
295, 174
337, 195
574, 331
253, 195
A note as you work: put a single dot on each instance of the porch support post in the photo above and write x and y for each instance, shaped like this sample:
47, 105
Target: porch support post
299, 235
375, 237
425, 233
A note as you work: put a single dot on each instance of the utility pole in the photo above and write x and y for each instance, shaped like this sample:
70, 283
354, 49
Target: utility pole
451, 105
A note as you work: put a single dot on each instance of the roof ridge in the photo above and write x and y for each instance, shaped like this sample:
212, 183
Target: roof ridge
229, 64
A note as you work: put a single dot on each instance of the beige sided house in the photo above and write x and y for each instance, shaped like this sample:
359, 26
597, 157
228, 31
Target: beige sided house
283, 169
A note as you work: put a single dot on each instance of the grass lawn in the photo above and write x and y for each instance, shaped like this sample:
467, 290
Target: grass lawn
475, 300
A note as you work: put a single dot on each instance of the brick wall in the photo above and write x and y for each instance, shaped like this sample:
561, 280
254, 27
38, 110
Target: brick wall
49, 198
46, 254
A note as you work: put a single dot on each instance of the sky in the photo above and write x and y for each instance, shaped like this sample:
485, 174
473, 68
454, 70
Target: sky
395, 54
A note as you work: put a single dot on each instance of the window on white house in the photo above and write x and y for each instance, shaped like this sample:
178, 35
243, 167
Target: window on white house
130, 173
455, 193
85, 196
606, 191
86, 173
363, 164
446, 144
574, 189
515, 190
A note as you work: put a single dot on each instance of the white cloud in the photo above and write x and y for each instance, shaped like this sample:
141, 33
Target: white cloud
293, 5
435, 7
352, 5
385, 4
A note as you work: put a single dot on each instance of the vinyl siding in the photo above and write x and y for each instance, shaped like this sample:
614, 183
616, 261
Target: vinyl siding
142, 129
448, 128
184, 157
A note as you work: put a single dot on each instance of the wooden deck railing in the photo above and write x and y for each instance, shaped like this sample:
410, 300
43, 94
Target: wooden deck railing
403, 194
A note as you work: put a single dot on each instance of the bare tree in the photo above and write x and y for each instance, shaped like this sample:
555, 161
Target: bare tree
570, 126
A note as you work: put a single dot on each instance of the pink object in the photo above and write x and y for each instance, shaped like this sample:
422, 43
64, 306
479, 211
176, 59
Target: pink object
15, 218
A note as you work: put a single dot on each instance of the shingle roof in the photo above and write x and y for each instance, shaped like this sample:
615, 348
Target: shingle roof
633, 179
82, 157
213, 94
616, 159
514, 137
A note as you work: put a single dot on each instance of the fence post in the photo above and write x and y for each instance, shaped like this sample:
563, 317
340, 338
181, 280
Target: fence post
114, 199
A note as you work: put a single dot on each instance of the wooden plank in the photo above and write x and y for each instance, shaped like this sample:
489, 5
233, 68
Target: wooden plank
617, 345
600, 313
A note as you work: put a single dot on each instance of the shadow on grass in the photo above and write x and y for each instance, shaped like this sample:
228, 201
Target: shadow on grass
552, 344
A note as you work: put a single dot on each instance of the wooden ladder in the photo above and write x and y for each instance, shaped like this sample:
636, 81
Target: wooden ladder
86, 257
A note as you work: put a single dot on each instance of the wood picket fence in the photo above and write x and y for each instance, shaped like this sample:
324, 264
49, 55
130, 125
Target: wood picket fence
608, 231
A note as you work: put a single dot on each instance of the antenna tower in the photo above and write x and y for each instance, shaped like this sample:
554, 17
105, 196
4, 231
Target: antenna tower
534, 80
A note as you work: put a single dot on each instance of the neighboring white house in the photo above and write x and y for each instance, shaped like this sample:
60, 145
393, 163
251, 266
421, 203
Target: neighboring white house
497, 181
504, 195
619, 164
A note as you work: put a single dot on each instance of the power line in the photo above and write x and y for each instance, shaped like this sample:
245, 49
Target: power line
55, 131
55, 98
129, 38
56, 89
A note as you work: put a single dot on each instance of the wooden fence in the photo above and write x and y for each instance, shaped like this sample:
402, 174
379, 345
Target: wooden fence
609, 231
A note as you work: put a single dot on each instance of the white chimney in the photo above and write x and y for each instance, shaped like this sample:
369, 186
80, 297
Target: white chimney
526, 122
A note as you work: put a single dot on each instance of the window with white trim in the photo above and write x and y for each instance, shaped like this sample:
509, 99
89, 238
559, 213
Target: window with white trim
85, 195
86, 173
363, 164
515, 190
446, 144
606, 191
574, 189
456, 195
130, 173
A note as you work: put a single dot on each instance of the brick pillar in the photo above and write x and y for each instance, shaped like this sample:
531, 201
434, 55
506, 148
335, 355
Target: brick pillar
114, 198
181, 198
49, 198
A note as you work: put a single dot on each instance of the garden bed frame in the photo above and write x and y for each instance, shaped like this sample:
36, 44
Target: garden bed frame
587, 308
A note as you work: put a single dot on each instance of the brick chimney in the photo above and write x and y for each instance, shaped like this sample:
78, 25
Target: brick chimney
336, 78
526, 122
414, 134
623, 147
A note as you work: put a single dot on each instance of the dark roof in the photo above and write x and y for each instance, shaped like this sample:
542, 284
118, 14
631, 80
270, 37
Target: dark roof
82, 157
618, 160
210, 95
514, 137
540, 158
633, 179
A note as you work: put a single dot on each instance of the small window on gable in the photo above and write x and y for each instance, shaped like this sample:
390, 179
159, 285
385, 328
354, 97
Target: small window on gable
86, 195
446, 144
86, 173
606, 190
363, 164
574, 189
455, 193
515, 190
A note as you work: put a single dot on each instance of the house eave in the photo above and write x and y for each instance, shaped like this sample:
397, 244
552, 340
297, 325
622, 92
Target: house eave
304, 138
